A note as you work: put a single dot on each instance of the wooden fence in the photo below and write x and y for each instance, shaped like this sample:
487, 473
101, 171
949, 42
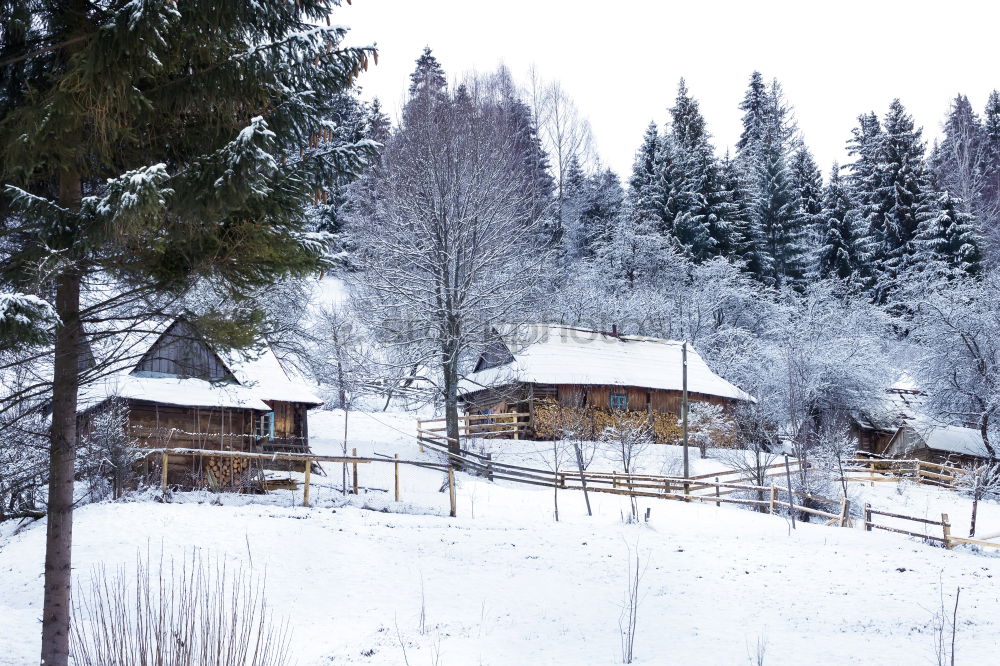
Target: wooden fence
479, 425
166, 456
875, 470
765, 498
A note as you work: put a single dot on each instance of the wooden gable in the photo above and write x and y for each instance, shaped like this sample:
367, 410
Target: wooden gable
182, 352
495, 354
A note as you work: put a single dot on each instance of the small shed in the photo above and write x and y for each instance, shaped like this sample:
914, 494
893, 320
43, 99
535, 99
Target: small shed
936, 443
579, 367
874, 428
182, 393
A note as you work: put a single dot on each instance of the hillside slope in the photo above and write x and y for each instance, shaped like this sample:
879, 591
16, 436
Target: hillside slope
504, 584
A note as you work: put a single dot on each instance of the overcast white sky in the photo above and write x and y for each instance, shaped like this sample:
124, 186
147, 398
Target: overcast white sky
621, 60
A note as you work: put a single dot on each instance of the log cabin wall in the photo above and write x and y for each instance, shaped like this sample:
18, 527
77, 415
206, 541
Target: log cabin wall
290, 427
193, 427
639, 399
523, 397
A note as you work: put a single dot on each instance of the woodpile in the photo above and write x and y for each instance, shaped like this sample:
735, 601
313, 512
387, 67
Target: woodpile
281, 484
226, 471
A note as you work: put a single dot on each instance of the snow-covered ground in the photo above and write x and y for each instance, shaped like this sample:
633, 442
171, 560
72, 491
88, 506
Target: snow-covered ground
505, 584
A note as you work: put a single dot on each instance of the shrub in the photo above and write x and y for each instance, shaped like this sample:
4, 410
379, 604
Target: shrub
192, 613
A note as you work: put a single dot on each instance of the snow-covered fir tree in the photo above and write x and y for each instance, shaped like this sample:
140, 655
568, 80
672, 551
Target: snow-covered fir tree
701, 206
840, 254
947, 236
151, 147
765, 148
900, 186
808, 183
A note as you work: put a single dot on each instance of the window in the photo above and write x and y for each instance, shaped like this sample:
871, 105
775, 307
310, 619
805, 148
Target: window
265, 428
619, 401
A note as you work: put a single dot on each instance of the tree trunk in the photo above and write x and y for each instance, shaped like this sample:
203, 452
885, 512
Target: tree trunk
975, 508
451, 406
984, 430
56, 609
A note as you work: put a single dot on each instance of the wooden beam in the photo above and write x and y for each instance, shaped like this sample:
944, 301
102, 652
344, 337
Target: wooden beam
305, 490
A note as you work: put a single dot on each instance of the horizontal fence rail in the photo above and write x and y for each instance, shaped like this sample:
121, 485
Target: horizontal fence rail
713, 487
875, 470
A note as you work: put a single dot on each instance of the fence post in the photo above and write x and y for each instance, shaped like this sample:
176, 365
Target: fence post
845, 505
305, 488
354, 469
489, 467
397, 476
717, 493
163, 473
774, 496
868, 517
946, 529
420, 435
614, 479
451, 492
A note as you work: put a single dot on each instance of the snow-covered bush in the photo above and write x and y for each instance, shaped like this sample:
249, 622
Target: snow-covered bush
108, 454
24, 460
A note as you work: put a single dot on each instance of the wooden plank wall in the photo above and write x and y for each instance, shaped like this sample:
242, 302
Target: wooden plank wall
195, 427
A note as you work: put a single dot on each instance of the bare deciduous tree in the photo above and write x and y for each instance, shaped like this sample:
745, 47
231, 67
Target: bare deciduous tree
451, 252
625, 441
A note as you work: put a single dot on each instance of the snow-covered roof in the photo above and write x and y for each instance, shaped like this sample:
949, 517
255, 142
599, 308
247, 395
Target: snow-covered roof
955, 439
900, 404
551, 354
188, 392
268, 378
951, 439
259, 376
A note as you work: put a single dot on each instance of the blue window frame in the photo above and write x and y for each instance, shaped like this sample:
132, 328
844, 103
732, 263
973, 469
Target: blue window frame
619, 401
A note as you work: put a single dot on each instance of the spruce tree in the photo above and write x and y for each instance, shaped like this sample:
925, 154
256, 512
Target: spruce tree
698, 206
602, 210
808, 183
644, 195
148, 153
947, 236
764, 153
756, 108
900, 188
991, 168
839, 249
781, 240
743, 229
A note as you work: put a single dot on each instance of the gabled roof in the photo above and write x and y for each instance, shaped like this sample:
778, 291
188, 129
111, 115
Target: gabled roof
227, 379
552, 354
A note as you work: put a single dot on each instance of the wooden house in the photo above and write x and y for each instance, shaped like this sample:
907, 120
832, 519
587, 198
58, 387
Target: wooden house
585, 368
182, 393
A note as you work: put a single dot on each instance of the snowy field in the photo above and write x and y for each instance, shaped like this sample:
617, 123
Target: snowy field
504, 584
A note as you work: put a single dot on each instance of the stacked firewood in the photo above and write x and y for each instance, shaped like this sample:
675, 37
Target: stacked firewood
226, 471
